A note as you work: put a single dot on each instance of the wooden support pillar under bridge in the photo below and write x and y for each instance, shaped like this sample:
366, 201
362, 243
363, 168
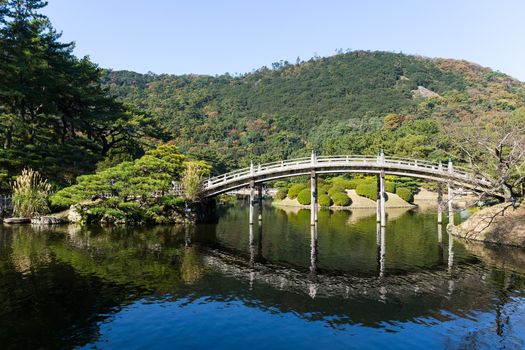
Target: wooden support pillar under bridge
450, 195
332, 164
252, 200
381, 199
381, 195
440, 203
260, 200
313, 191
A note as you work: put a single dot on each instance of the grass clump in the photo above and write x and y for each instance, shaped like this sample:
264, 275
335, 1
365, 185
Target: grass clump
30, 192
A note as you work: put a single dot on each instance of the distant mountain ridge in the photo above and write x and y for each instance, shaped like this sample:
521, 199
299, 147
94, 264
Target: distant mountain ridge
355, 102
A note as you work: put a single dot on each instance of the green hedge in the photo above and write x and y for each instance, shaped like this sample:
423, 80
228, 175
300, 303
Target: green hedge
351, 184
323, 189
341, 199
336, 189
325, 200
405, 193
390, 187
279, 184
341, 182
304, 197
281, 193
294, 190
368, 190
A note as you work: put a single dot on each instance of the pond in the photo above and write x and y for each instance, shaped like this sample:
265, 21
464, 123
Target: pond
345, 283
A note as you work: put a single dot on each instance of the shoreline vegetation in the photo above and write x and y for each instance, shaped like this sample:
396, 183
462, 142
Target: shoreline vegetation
423, 199
112, 143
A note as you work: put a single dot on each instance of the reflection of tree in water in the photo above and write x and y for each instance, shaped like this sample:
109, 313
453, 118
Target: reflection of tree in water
57, 284
81, 276
499, 334
27, 252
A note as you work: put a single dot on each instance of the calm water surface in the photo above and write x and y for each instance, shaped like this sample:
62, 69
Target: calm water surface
281, 284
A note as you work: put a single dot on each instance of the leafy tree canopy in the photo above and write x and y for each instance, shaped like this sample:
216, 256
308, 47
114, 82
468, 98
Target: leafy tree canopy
55, 116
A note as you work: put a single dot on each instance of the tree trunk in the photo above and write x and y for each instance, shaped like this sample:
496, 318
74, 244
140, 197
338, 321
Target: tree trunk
509, 195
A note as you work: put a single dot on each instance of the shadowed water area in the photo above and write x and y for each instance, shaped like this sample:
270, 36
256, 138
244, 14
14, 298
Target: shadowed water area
345, 283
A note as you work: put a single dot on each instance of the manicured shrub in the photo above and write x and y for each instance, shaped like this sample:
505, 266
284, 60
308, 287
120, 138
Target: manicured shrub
341, 199
367, 190
279, 184
170, 200
405, 194
281, 193
323, 189
325, 200
390, 187
304, 197
346, 184
369, 180
294, 190
336, 189
351, 184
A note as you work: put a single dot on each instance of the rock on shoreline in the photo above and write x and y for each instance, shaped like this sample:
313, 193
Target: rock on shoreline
499, 224
16, 221
47, 220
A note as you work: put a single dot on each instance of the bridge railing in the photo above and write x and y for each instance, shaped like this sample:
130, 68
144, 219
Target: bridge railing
335, 160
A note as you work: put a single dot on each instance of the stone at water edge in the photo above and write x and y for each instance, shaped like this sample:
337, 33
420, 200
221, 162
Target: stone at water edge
46, 220
74, 214
489, 225
13, 221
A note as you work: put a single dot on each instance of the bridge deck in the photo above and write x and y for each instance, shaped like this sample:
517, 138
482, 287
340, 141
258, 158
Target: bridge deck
340, 164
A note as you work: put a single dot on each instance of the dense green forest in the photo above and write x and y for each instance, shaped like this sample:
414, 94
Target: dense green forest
55, 116
354, 102
65, 116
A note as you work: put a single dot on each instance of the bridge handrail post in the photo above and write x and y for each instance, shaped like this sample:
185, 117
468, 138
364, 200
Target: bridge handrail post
450, 168
252, 170
382, 157
313, 158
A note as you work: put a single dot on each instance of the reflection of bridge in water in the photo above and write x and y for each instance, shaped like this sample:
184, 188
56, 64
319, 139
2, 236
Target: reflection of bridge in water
254, 176
453, 287
316, 282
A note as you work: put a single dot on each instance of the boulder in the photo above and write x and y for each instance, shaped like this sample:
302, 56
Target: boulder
74, 214
46, 220
14, 221
500, 224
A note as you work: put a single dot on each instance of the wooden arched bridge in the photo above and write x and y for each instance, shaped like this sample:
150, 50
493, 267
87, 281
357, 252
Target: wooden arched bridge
343, 164
255, 176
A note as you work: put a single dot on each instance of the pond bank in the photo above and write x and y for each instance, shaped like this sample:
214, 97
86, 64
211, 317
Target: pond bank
499, 224
357, 202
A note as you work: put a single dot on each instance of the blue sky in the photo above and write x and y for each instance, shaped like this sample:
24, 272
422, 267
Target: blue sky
214, 37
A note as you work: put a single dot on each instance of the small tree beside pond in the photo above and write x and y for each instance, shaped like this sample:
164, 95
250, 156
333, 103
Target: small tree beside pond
137, 191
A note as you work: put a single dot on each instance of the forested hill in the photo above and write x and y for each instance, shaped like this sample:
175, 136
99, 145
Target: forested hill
355, 102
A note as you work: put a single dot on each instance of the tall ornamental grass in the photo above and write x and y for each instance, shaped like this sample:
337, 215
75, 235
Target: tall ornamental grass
192, 181
30, 192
